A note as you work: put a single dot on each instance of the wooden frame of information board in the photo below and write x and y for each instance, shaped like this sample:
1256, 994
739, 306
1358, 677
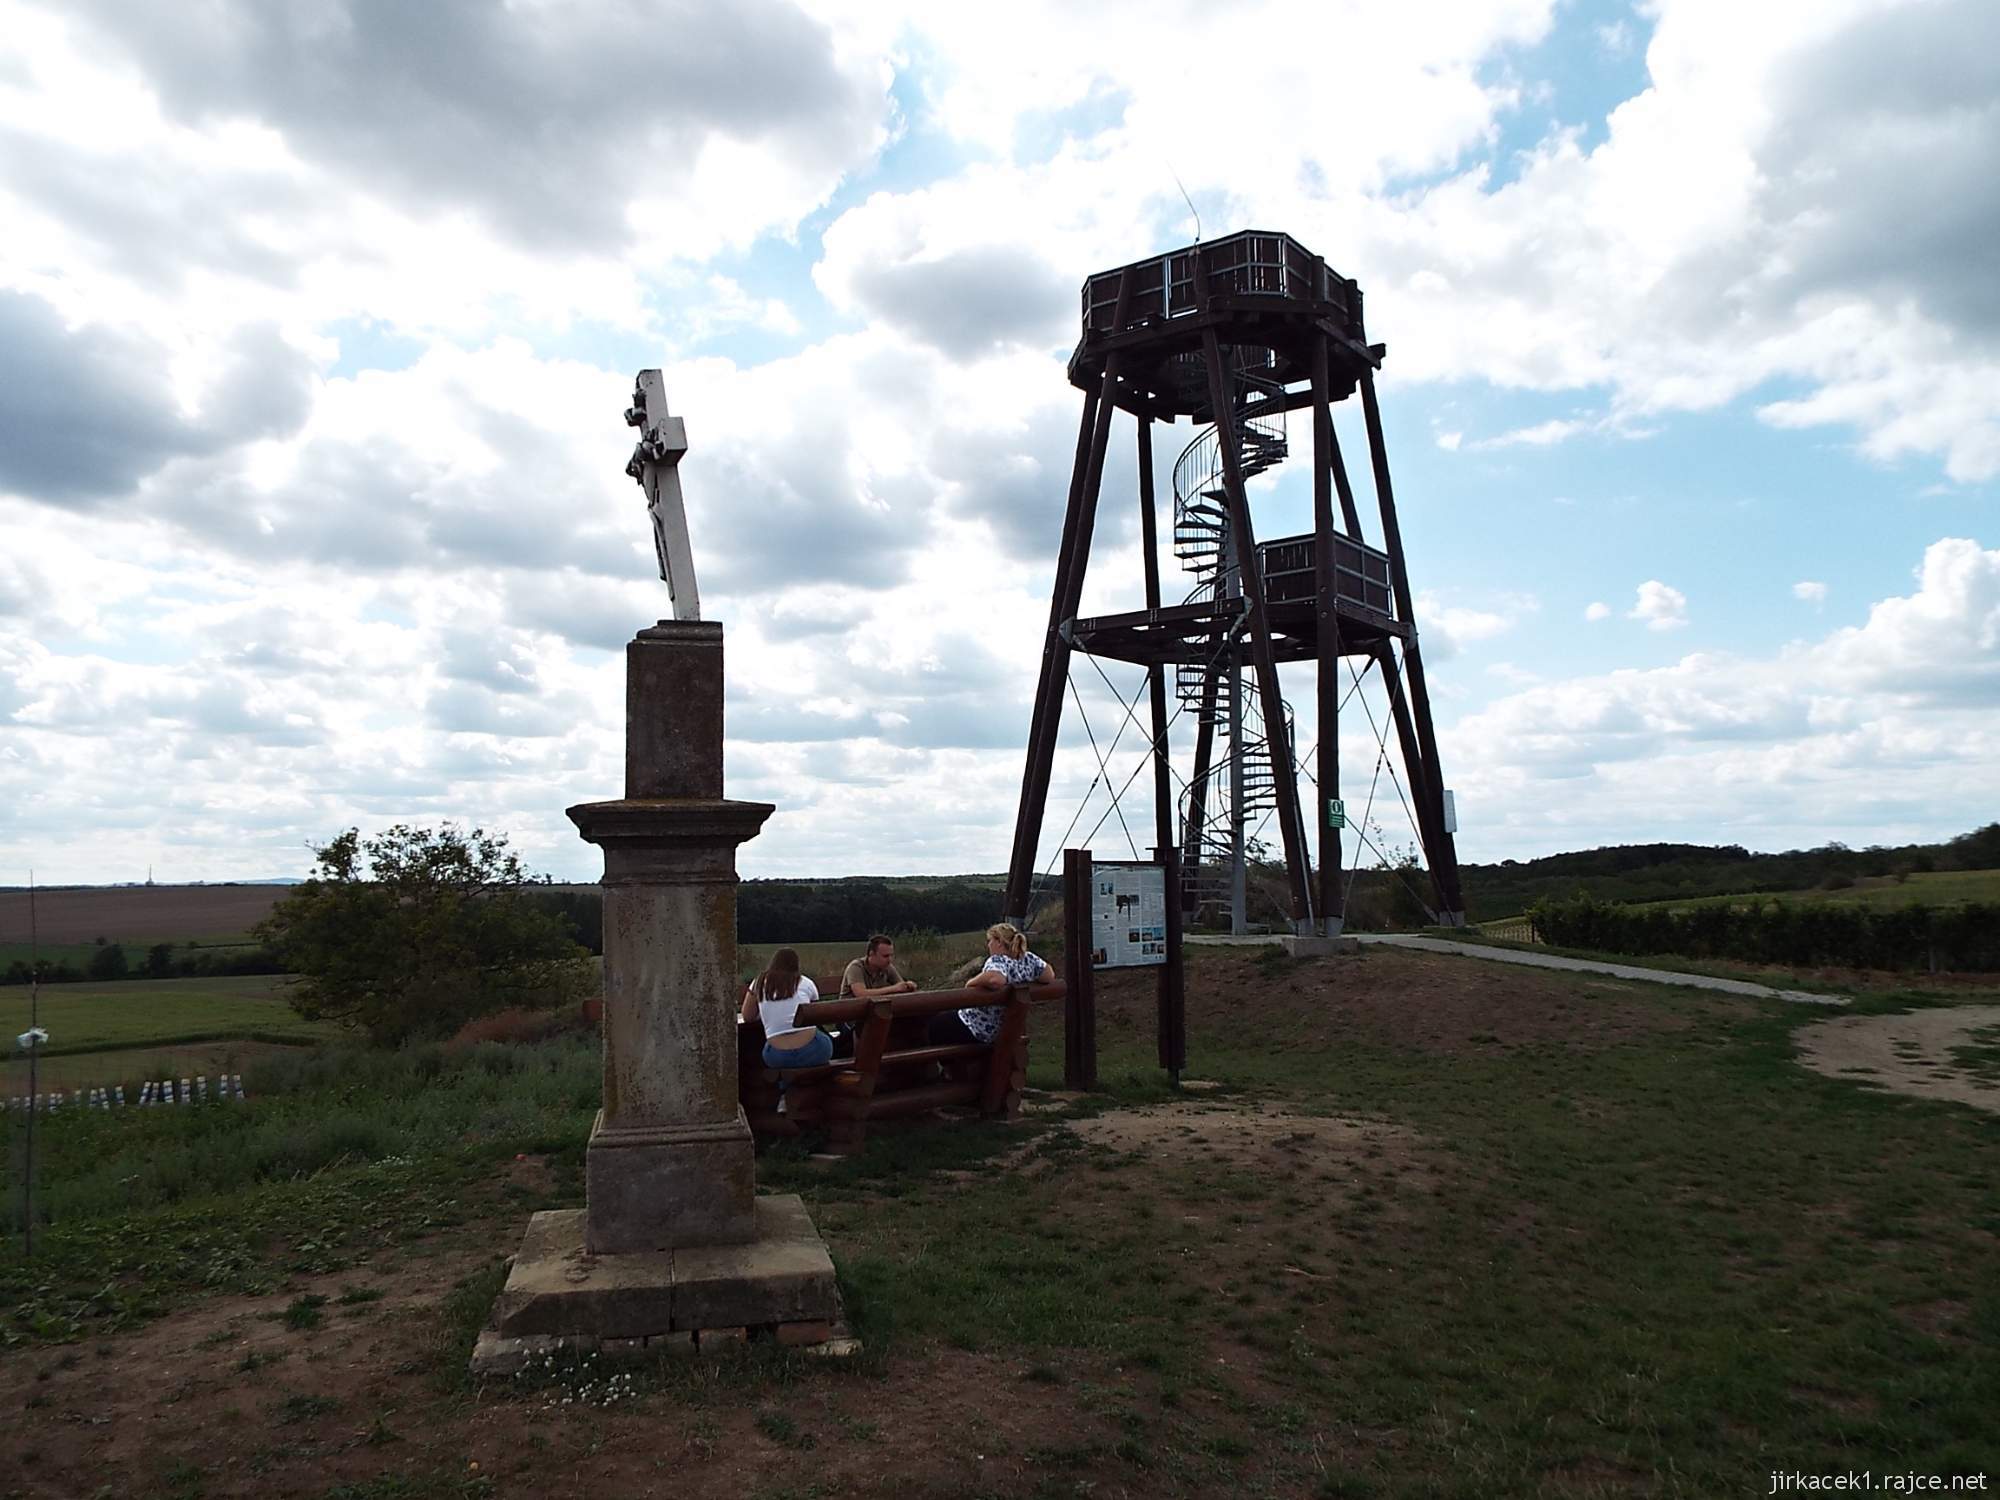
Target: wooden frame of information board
1081, 953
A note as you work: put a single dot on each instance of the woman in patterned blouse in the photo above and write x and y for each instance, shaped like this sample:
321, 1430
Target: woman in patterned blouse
1008, 961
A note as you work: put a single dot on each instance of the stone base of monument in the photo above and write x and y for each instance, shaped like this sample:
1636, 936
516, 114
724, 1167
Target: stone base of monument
1311, 945
559, 1296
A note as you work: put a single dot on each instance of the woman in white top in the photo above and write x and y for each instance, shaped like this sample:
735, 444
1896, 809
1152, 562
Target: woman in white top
774, 998
1008, 962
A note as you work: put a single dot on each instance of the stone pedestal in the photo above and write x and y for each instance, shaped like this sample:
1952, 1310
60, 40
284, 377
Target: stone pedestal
670, 1159
672, 1237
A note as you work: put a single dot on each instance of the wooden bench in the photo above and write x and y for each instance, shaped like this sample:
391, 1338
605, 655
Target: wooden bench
895, 1067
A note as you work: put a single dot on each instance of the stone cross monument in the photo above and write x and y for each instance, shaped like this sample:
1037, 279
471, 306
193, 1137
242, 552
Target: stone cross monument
656, 464
673, 1246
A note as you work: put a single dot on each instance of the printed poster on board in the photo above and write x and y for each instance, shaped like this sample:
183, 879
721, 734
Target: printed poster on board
1128, 915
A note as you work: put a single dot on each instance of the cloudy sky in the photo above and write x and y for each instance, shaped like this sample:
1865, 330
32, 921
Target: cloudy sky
317, 322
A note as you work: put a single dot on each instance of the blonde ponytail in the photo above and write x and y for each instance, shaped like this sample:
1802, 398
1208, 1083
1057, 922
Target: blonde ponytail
1009, 937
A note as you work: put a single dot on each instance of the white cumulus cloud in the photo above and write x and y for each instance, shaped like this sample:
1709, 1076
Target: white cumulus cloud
1660, 606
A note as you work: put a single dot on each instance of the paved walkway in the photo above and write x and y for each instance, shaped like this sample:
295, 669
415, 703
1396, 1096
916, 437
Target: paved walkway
1576, 965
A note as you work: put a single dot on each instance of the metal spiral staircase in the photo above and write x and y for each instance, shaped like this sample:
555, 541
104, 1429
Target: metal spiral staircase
1201, 503
1201, 543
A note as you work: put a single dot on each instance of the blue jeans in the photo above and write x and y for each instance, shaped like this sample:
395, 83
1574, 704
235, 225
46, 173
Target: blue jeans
815, 1053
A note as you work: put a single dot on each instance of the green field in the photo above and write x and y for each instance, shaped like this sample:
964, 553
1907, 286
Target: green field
157, 1012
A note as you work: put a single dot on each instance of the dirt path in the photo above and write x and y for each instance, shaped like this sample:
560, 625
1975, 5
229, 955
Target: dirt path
1597, 966
1914, 1053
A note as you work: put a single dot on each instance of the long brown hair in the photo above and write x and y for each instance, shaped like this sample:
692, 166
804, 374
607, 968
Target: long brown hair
781, 980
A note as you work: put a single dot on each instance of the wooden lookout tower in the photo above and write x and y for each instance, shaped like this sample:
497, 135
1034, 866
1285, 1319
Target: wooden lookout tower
1234, 335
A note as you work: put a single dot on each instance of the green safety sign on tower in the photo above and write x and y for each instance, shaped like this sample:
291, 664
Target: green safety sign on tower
1336, 813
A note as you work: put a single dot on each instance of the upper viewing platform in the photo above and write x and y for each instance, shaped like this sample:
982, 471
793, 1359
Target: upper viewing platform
1253, 288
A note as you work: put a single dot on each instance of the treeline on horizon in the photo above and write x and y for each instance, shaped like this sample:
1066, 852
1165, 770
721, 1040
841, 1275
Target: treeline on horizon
848, 908
1665, 872
110, 962
1767, 930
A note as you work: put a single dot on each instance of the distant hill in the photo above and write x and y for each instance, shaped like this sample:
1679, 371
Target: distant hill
1663, 872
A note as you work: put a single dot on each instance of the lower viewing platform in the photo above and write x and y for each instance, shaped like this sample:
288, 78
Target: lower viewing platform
1364, 602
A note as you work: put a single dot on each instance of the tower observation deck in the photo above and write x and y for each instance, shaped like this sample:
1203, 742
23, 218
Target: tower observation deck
1235, 335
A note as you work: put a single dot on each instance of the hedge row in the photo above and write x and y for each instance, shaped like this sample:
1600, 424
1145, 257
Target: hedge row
161, 962
1912, 937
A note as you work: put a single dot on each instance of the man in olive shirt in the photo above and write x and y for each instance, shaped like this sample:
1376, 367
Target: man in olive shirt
875, 975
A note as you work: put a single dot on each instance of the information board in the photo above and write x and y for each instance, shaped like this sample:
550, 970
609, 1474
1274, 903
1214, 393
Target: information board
1128, 915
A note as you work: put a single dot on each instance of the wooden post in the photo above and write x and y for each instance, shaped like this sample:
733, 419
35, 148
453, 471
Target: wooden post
1173, 983
1271, 698
999, 1093
1327, 671
1443, 854
1080, 1004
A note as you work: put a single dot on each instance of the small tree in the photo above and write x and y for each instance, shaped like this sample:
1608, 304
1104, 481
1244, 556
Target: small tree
416, 931
109, 962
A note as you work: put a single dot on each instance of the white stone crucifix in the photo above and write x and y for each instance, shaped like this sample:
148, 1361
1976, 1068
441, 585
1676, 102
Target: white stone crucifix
656, 465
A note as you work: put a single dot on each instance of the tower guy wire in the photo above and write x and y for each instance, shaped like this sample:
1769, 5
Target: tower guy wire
34, 1040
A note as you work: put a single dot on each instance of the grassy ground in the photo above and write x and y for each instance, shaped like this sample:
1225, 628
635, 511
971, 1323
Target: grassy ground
152, 1012
129, 1067
1777, 976
1438, 1228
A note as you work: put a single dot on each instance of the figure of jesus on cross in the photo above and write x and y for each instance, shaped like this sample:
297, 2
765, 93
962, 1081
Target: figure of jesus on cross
656, 465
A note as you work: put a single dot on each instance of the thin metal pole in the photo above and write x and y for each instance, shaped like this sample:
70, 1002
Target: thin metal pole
1284, 783
34, 1066
1192, 841
1239, 876
1149, 542
1327, 671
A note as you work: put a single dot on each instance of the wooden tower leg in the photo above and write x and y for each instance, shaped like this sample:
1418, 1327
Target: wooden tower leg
1443, 853
1272, 699
1070, 557
1414, 769
1078, 522
1326, 674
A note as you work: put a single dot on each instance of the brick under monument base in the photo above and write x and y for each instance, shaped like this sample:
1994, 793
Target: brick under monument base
559, 1296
